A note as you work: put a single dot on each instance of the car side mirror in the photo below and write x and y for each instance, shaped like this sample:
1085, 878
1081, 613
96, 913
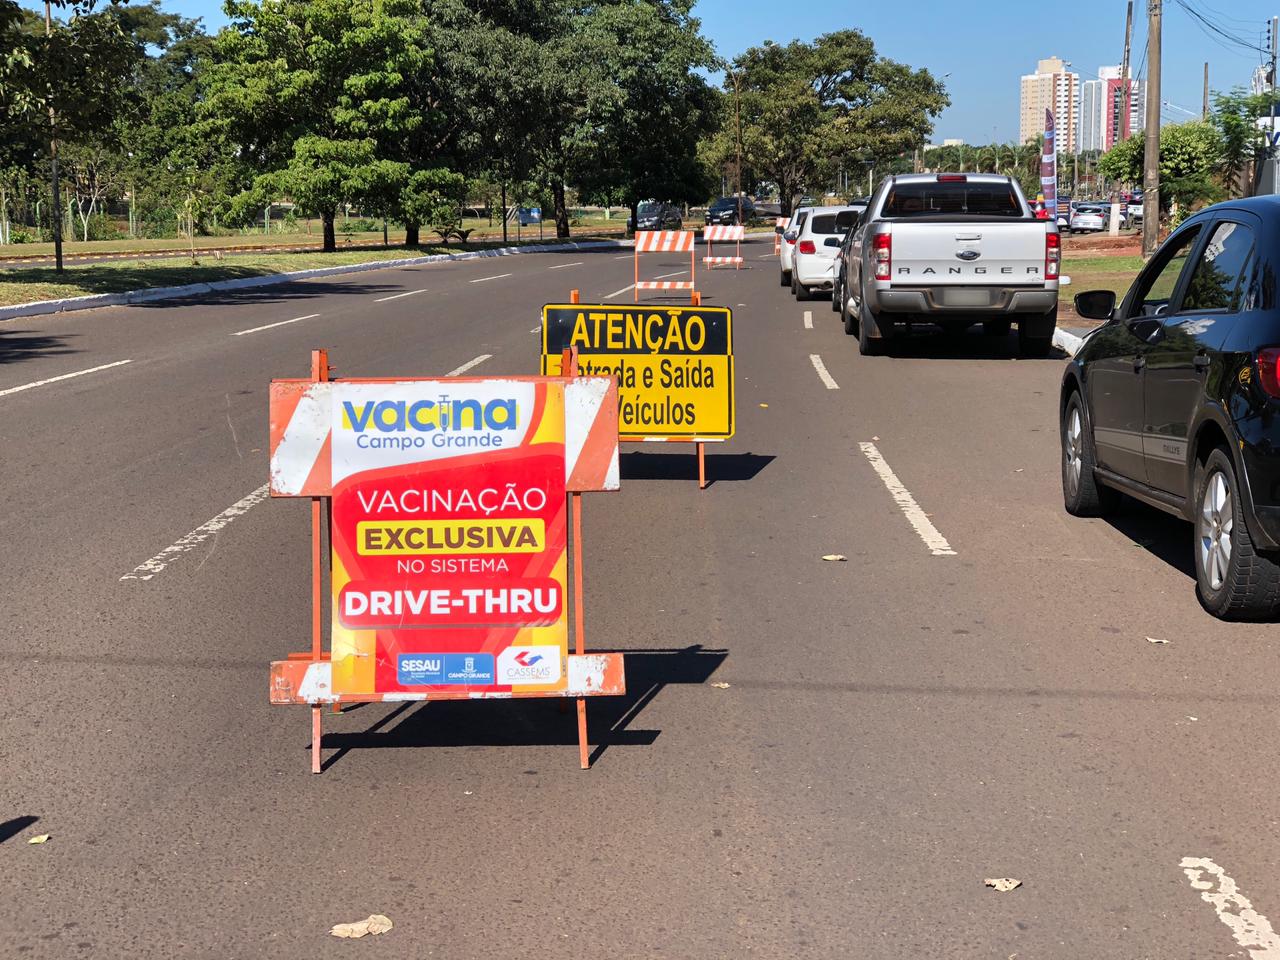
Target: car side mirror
1096, 304
831, 242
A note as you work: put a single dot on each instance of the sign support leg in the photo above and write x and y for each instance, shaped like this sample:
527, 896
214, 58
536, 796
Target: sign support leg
579, 643
319, 372
702, 466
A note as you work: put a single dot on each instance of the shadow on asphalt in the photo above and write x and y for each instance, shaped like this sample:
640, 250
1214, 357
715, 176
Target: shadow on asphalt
11, 828
19, 345
684, 466
274, 293
971, 345
1166, 537
539, 722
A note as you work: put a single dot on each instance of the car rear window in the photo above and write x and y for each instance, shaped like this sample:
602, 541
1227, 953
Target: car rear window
833, 224
933, 199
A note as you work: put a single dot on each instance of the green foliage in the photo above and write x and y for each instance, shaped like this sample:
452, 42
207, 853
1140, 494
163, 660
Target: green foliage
1235, 115
1191, 157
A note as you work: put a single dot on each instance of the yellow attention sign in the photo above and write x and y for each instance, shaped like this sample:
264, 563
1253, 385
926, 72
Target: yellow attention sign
674, 365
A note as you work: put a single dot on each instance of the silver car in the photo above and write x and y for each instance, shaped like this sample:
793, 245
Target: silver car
1088, 219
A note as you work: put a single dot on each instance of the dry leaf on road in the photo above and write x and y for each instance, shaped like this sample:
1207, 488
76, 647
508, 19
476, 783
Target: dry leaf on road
720, 685
376, 923
39, 838
1156, 640
1003, 884
834, 556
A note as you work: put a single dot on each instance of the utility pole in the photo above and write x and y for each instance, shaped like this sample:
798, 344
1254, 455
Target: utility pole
1204, 110
1127, 94
53, 152
737, 119
1271, 77
1151, 151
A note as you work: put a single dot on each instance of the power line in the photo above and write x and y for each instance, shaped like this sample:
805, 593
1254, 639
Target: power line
1217, 33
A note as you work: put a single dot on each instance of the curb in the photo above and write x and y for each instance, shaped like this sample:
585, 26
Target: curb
93, 301
1069, 343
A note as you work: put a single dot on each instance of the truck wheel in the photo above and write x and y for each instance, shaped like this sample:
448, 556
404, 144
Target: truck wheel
1233, 580
847, 318
1082, 495
1035, 334
868, 346
786, 278
996, 328
836, 297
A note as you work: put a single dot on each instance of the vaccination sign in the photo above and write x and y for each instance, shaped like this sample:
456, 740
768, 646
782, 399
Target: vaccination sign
448, 537
673, 365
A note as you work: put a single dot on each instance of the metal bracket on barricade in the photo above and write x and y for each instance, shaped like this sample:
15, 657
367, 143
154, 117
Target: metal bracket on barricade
664, 241
447, 502
732, 234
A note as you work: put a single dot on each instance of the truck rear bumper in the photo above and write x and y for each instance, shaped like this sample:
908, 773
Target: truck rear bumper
952, 300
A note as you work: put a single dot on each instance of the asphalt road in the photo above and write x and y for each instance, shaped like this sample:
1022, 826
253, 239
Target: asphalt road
895, 729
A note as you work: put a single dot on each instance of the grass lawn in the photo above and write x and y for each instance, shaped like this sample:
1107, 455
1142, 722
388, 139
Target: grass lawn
23, 285
1101, 273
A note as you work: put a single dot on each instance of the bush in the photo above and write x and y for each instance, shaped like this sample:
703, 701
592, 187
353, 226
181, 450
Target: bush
363, 225
21, 236
101, 227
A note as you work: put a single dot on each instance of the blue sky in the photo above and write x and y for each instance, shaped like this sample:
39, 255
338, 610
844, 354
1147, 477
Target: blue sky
985, 47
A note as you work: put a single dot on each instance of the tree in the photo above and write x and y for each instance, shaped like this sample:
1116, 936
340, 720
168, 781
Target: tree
1191, 154
1236, 115
809, 108
310, 88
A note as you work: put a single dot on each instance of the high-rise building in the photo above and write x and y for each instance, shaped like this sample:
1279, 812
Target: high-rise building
1051, 87
1102, 110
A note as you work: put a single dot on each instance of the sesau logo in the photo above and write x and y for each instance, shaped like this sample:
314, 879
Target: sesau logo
444, 669
529, 665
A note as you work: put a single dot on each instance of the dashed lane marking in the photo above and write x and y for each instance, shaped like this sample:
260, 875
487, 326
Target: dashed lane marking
497, 276
147, 570
269, 326
468, 365
663, 276
561, 266
397, 296
828, 381
618, 293
808, 319
1251, 929
65, 376
935, 541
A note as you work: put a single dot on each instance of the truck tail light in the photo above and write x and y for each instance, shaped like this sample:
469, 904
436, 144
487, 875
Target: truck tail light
882, 248
952, 178
1052, 255
807, 247
1269, 370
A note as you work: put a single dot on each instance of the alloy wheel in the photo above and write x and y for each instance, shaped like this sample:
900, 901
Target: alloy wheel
1217, 517
1073, 449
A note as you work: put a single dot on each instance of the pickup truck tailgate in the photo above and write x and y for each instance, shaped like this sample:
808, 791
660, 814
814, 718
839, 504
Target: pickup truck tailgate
938, 254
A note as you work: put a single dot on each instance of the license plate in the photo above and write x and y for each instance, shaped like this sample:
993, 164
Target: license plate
966, 298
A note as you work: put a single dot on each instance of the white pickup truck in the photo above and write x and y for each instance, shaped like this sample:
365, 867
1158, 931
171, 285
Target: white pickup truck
952, 249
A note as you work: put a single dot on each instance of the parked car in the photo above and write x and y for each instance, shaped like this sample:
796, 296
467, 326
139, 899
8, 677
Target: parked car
840, 270
656, 215
1135, 212
813, 263
1089, 218
725, 211
952, 249
1175, 400
787, 249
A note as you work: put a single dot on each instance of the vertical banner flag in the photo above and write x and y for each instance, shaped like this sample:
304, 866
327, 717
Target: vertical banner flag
448, 537
1049, 167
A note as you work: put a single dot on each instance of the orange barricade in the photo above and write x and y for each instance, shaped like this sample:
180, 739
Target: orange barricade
779, 226
664, 241
448, 561
734, 234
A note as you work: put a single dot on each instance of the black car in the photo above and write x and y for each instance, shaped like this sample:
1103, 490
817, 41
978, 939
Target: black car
839, 277
1175, 400
656, 215
725, 211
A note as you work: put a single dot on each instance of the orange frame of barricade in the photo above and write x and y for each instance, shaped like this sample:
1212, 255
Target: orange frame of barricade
665, 241
733, 234
600, 674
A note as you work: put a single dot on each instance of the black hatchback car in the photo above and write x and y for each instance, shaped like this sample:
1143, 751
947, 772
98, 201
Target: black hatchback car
1175, 400
725, 211
656, 215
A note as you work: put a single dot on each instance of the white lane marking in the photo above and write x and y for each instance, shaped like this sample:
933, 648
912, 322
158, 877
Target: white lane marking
1251, 929
618, 293
561, 266
469, 364
767, 256
145, 571
663, 276
935, 541
397, 296
65, 376
828, 381
808, 319
536, 330
268, 326
497, 276
625, 256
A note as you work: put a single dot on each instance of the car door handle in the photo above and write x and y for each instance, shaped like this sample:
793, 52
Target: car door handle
1200, 362
1138, 363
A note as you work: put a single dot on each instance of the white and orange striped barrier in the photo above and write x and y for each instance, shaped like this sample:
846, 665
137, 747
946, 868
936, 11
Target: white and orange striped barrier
451, 505
664, 241
733, 234
778, 227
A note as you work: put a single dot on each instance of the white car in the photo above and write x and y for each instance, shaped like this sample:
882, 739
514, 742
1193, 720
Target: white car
1088, 219
788, 246
817, 246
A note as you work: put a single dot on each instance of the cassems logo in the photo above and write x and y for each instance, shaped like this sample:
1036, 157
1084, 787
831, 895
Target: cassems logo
529, 665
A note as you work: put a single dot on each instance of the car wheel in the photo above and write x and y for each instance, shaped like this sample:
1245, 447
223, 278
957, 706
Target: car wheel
798, 289
847, 317
868, 346
1233, 580
1081, 492
836, 297
785, 278
996, 328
